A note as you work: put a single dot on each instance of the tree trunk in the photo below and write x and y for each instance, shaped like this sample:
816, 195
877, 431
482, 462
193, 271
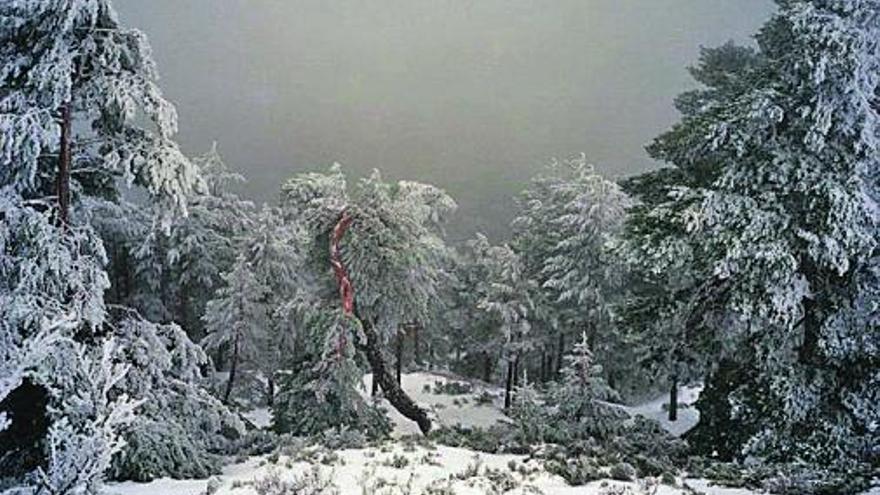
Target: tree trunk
395, 395
673, 399
62, 181
417, 354
560, 352
232, 368
508, 385
375, 388
399, 356
516, 376
487, 367
371, 346
270, 390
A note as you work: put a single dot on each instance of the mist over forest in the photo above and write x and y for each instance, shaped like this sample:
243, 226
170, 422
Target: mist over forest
439, 248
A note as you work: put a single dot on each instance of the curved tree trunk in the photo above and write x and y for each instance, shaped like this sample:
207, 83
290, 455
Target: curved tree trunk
372, 345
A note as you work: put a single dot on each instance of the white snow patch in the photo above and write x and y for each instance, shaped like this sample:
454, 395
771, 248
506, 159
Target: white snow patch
260, 417
444, 409
688, 415
357, 470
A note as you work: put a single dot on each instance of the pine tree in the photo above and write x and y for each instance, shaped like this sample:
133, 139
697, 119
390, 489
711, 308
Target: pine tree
203, 245
789, 221
582, 396
79, 110
180, 429
567, 218
508, 295
237, 319
80, 106
386, 251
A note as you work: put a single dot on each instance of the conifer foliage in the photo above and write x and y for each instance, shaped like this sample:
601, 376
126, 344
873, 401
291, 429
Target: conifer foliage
788, 221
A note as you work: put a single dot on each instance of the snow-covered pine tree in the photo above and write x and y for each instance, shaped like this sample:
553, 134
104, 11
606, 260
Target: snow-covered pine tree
204, 244
385, 242
180, 428
790, 218
80, 106
51, 290
51, 286
252, 318
508, 295
567, 218
670, 326
79, 109
236, 320
580, 398
472, 334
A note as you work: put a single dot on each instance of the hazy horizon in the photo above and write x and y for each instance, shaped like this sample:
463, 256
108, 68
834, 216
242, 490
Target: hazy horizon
474, 97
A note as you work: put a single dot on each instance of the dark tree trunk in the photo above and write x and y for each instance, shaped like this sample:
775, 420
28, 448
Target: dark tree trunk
417, 348
543, 375
560, 352
375, 388
399, 356
232, 369
270, 390
673, 399
487, 367
395, 395
516, 373
62, 181
508, 385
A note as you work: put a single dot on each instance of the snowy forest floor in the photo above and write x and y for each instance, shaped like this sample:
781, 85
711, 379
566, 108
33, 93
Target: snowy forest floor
402, 466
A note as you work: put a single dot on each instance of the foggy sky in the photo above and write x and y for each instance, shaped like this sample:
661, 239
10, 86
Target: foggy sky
474, 96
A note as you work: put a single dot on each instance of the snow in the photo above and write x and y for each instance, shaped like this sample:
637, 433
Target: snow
355, 471
688, 416
444, 409
358, 471
260, 417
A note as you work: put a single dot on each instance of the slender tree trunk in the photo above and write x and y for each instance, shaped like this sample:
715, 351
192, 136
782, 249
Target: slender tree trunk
375, 388
560, 352
508, 385
516, 372
487, 367
270, 390
417, 351
543, 374
399, 356
62, 181
232, 369
371, 346
673, 399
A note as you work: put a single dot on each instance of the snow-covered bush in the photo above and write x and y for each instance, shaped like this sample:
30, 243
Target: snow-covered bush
315, 398
86, 419
530, 414
580, 400
312, 482
575, 471
180, 427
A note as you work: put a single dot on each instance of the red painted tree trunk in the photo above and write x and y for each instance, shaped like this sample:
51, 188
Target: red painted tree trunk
372, 347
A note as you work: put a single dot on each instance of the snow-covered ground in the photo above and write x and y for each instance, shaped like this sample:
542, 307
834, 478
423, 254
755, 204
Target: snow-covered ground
381, 471
444, 409
656, 409
399, 467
